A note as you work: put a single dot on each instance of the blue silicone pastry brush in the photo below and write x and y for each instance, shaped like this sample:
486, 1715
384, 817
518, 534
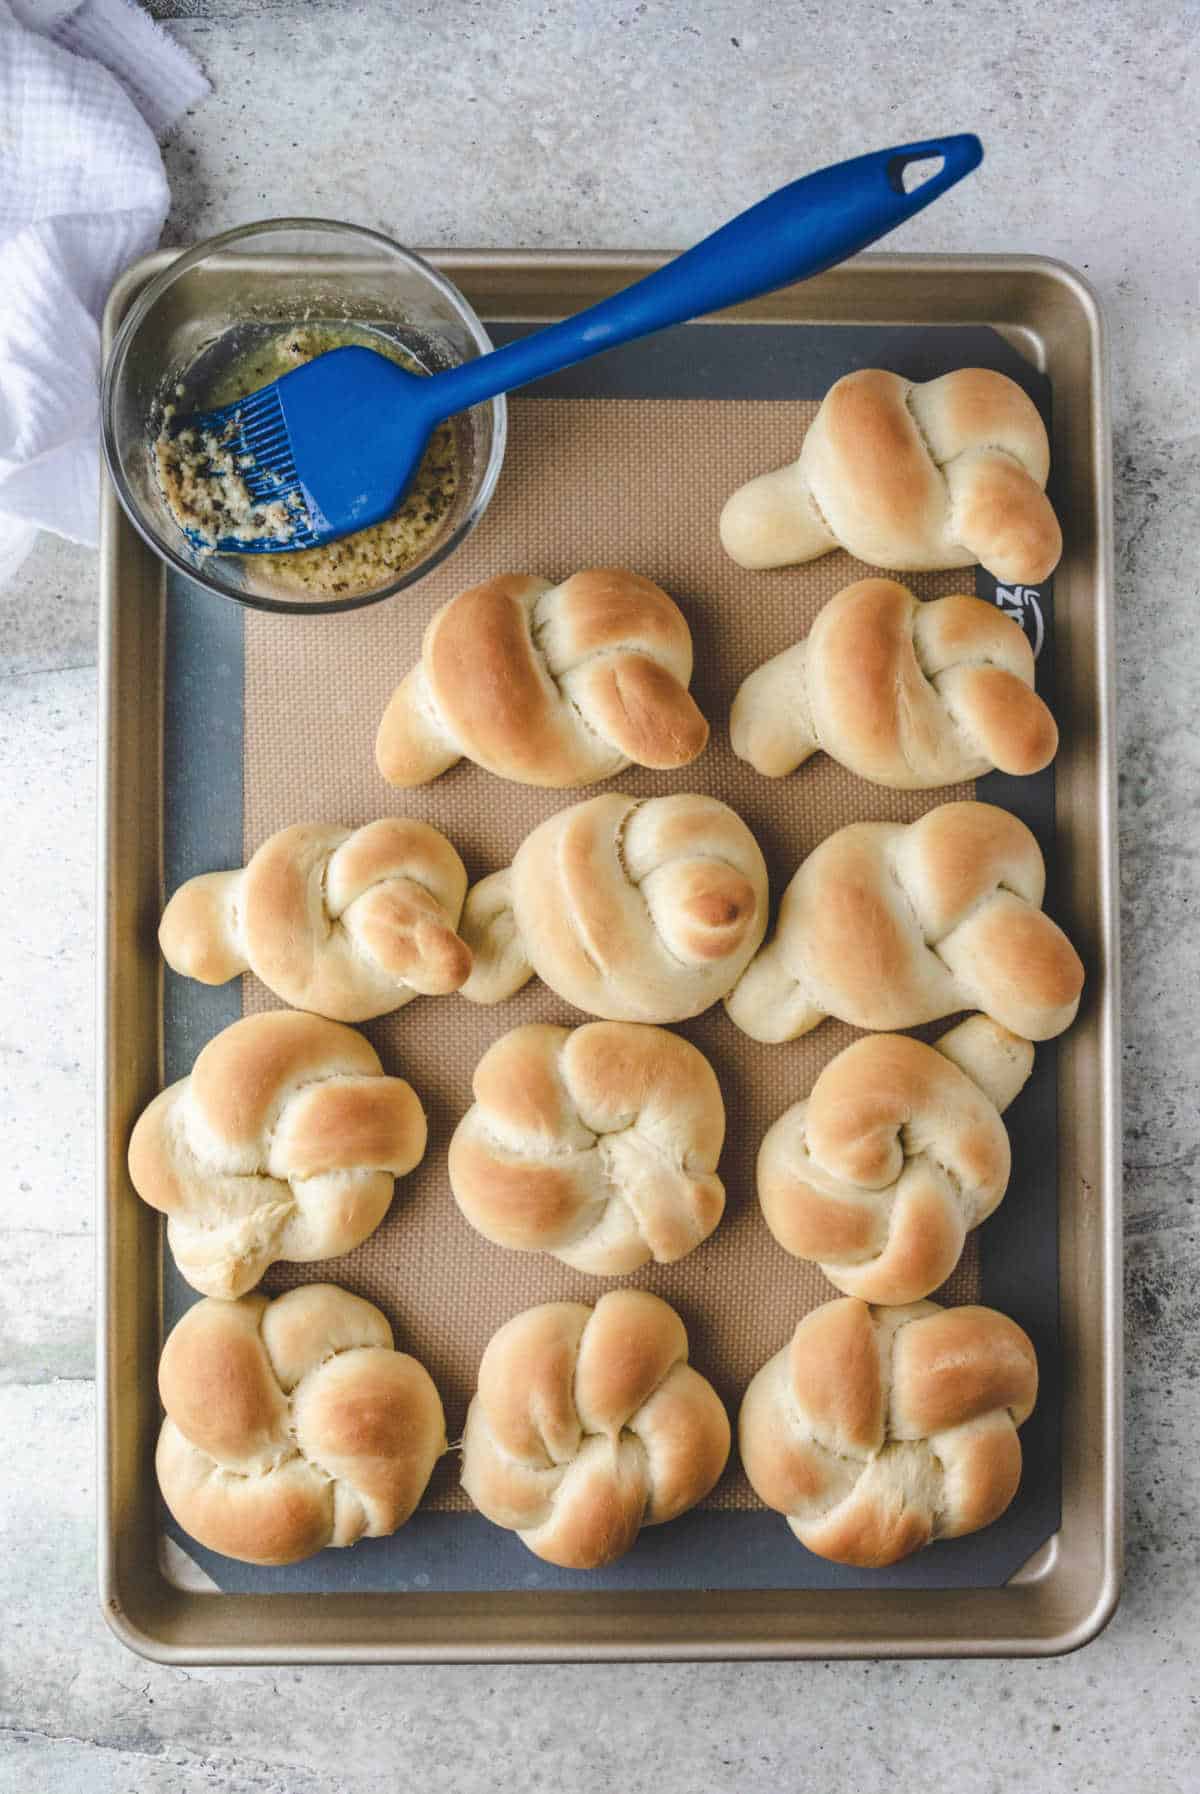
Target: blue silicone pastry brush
334, 446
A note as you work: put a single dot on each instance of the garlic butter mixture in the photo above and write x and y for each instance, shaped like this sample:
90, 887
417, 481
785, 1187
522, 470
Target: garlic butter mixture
202, 480
357, 563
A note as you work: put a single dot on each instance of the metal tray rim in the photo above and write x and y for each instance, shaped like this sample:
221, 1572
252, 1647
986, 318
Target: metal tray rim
150, 1640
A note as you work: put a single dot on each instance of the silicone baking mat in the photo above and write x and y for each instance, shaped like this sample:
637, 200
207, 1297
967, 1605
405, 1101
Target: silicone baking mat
271, 720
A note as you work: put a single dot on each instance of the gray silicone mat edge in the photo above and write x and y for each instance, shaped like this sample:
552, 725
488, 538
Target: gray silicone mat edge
203, 727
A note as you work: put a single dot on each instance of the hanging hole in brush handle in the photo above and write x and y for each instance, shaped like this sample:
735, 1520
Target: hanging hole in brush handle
915, 168
915, 174
801, 230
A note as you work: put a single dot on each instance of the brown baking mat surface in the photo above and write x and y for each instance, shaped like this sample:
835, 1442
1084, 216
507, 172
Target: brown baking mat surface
586, 482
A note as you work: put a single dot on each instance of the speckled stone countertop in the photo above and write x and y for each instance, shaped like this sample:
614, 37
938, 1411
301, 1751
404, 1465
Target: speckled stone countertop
643, 123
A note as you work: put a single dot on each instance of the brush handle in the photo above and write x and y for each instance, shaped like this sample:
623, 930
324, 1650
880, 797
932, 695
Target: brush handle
800, 230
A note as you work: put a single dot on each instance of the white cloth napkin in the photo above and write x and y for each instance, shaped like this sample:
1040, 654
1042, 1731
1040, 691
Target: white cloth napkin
85, 85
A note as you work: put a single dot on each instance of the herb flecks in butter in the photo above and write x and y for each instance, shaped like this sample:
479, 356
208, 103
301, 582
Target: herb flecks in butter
376, 556
202, 479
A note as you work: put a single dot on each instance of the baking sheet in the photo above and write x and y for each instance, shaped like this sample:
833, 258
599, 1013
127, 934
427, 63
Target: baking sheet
270, 720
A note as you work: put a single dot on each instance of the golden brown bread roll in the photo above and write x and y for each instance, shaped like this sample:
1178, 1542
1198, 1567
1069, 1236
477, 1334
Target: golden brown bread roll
636, 910
888, 925
907, 694
909, 476
548, 685
588, 1424
345, 923
895, 1155
284, 1142
292, 1425
598, 1145
878, 1430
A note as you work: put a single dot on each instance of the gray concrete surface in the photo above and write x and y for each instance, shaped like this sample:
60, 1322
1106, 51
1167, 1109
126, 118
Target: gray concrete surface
640, 124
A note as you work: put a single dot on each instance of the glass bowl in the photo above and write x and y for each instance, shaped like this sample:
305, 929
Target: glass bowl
232, 295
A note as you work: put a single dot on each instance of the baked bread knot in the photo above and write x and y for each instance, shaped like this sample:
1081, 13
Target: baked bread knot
909, 476
877, 1430
599, 1146
887, 925
547, 685
634, 910
906, 694
345, 923
292, 1425
897, 1153
589, 1424
284, 1142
